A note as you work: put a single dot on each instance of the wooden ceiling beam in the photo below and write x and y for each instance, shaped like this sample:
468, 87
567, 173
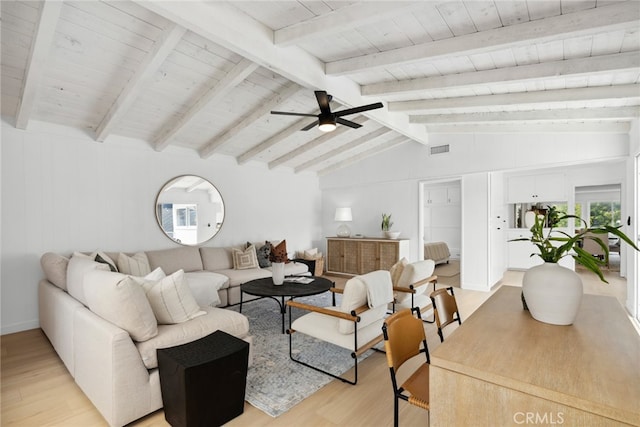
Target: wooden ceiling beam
532, 127
37, 60
343, 19
314, 143
358, 157
228, 27
587, 22
275, 139
630, 91
217, 92
606, 113
247, 119
350, 145
161, 49
570, 67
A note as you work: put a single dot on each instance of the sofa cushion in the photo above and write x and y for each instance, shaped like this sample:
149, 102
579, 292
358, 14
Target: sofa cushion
214, 259
77, 268
55, 269
294, 268
244, 259
186, 258
237, 277
171, 299
215, 319
205, 285
119, 299
136, 265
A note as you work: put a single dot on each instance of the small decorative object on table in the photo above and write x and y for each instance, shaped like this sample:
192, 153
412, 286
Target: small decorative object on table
386, 227
278, 258
553, 293
277, 269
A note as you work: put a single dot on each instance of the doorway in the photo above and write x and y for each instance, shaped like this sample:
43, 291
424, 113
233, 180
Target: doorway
440, 213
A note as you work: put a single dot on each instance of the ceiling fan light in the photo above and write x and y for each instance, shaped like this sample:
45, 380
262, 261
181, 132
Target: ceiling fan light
327, 124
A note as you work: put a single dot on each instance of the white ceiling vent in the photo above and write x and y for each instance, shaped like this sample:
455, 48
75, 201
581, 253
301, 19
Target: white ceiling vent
440, 149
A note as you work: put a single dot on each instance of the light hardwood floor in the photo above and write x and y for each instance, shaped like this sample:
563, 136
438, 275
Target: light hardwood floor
38, 391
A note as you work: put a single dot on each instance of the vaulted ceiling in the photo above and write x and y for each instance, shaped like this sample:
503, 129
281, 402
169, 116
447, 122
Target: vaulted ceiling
205, 75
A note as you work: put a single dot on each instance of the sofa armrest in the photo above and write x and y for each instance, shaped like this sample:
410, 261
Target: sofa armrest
353, 316
109, 370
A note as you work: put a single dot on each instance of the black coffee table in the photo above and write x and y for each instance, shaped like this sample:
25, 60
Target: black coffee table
264, 288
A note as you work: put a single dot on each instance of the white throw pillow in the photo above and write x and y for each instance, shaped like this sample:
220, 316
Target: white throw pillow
78, 267
246, 259
171, 299
121, 300
156, 275
136, 265
101, 257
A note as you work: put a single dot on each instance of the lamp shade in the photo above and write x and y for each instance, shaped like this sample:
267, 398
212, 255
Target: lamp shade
343, 214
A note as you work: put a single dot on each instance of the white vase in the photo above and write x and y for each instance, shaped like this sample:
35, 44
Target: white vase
277, 271
553, 293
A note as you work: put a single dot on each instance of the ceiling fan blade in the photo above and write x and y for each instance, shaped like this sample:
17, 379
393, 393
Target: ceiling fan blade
286, 113
348, 123
358, 109
323, 101
310, 126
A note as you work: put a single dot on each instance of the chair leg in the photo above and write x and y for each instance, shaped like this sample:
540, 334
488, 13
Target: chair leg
395, 411
355, 365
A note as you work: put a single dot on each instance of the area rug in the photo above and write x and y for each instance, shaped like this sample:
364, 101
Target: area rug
448, 270
275, 383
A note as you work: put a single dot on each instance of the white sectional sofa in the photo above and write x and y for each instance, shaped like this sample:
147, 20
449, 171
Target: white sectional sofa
101, 328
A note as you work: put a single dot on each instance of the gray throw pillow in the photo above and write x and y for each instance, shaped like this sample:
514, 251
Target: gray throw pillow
263, 253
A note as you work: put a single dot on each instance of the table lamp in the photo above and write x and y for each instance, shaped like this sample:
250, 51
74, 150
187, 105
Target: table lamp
343, 215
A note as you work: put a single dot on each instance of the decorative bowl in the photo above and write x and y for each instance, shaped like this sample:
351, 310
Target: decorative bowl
392, 234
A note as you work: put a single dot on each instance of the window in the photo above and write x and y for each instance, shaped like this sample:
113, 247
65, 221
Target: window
186, 216
604, 213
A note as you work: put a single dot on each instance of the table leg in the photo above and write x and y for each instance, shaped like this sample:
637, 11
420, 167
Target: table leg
241, 300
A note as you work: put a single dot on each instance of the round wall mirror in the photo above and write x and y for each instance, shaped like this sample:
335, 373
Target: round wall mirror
189, 210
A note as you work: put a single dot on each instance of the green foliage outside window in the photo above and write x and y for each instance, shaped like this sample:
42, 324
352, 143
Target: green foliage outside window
605, 213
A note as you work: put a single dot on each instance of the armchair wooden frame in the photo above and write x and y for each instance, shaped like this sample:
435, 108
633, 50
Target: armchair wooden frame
412, 291
353, 316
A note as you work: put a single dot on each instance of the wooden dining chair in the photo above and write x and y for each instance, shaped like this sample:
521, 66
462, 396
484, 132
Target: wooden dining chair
404, 338
445, 308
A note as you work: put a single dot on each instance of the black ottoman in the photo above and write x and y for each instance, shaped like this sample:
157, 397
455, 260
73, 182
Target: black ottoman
203, 382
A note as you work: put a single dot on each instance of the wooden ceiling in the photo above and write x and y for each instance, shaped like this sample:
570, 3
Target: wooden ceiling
205, 75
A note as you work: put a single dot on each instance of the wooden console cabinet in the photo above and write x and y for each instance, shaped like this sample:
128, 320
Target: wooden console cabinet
502, 368
360, 256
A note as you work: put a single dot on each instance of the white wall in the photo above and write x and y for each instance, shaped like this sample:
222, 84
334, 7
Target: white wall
631, 193
62, 191
388, 182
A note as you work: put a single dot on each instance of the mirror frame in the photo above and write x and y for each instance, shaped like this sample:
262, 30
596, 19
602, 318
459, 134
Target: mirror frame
158, 202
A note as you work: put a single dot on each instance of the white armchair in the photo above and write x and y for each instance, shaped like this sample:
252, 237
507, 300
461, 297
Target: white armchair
410, 290
356, 324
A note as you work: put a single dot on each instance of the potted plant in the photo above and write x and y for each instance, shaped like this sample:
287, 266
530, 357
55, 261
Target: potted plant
552, 293
386, 227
